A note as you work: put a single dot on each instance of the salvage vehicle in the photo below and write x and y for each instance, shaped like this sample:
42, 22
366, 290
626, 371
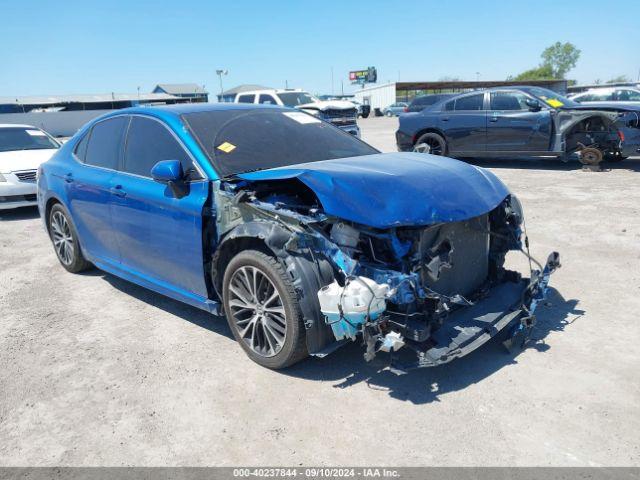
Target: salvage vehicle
22, 149
512, 122
341, 113
302, 235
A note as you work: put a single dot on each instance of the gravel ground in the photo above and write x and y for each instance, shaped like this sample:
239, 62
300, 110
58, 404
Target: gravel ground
97, 371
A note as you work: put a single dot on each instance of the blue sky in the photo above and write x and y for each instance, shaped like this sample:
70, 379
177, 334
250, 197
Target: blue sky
58, 47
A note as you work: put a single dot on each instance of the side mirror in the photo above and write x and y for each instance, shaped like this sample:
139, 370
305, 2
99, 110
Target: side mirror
167, 171
533, 104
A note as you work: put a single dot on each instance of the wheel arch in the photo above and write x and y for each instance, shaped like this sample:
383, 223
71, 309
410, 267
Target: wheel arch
428, 130
307, 272
51, 201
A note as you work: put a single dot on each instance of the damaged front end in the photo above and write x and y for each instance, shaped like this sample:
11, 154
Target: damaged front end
438, 289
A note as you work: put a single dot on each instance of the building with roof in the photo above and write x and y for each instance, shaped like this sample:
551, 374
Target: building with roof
192, 91
381, 96
230, 95
63, 115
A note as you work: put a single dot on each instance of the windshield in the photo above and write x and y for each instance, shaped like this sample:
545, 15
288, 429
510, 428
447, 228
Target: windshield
20, 138
240, 141
552, 98
293, 99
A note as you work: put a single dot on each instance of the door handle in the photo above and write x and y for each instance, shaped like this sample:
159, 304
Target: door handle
494, 118
118, 191
445, 119
68, 178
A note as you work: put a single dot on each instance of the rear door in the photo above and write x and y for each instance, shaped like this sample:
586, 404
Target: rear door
159, 234
513, 126
89, 187
464, 122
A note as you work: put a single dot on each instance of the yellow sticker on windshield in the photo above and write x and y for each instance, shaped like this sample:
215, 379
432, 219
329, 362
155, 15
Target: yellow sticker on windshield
227, 147
554, 103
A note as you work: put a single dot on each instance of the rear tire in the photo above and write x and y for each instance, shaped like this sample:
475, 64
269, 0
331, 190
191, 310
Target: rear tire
437, 144
65, 240
262, 310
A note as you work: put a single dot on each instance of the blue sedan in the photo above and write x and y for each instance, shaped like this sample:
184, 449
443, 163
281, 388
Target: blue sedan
302, 235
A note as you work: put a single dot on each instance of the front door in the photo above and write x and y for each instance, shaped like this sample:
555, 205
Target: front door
513, 127
159, 233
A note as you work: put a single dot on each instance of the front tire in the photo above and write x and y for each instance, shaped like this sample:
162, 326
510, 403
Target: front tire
65, 240
437, 145
262, 310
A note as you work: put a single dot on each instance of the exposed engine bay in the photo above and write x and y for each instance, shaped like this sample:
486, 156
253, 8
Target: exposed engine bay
439, 290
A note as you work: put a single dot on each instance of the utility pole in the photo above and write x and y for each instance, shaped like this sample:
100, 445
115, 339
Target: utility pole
477, 76
331, 80
220, 73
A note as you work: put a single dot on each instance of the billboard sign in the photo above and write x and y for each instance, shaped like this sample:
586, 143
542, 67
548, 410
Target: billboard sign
370, 75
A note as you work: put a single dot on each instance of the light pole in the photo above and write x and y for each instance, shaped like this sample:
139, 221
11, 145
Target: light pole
220, 73
477, 76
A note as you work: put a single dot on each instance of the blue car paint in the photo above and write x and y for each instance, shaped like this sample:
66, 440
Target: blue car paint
396, 189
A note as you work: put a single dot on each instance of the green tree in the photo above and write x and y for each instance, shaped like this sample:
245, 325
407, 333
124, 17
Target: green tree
560, 57
620, 79
543, 72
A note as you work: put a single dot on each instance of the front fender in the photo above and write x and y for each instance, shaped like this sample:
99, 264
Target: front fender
308, 272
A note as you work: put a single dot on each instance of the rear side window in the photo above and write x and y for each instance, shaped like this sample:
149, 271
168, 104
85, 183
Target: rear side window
627, 95
81, 148
267, 99
472, 102
149, 142
246, 98
105, 143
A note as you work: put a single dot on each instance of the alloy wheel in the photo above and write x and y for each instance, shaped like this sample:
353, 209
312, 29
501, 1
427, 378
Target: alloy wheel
257, 311
434, 146
62, 238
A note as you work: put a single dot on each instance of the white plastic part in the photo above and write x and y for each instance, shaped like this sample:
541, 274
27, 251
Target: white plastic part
360, 296
392, 340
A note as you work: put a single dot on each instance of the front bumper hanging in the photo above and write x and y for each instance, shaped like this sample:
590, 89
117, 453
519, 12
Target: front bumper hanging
508, 305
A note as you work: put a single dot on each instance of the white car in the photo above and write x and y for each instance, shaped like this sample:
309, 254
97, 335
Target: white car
623, 95
340, 113
22, 149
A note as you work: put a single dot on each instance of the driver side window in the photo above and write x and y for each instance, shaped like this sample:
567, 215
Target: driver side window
149, 142
508, 101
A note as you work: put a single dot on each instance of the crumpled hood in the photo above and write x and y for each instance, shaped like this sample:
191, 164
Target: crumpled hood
328, 105
396, 189
17, 160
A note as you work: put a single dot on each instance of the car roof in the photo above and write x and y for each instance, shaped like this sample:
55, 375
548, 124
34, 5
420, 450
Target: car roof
175, 111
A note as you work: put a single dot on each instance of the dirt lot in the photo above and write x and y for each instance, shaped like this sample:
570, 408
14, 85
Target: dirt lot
97, 371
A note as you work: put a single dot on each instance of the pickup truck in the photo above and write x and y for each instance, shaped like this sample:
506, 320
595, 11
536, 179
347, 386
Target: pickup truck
340, 113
